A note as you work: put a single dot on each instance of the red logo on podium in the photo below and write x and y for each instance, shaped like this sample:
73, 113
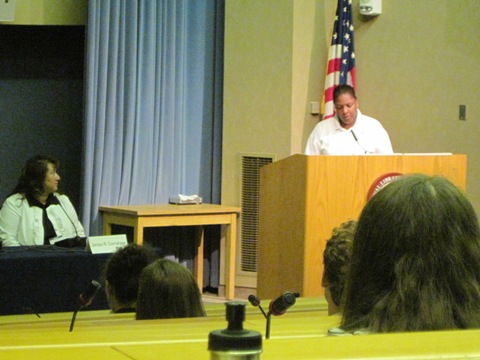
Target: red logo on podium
381, 182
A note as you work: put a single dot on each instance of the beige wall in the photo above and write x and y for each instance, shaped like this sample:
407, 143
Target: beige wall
49, 12
258, 64
415, 64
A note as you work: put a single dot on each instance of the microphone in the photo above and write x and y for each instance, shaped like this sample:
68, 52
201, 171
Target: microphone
70, 242
85, 299
87, 296
277, 307
255, 301
280, 305
354, 136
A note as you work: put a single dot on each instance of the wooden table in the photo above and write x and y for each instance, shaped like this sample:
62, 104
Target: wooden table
142, 216
294, 335
102, 335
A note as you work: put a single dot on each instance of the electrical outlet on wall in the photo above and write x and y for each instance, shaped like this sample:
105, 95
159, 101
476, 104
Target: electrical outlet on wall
462, 112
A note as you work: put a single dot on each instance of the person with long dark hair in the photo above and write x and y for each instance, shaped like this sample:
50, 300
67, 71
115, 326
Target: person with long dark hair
168, 290
415, 262
35, 213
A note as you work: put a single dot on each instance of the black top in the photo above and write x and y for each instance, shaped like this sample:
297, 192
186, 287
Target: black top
48, 230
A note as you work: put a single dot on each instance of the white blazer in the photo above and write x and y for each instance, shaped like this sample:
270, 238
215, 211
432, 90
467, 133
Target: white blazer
22, 224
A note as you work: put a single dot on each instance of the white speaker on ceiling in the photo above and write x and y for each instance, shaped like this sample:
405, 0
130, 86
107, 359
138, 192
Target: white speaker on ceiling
370, 7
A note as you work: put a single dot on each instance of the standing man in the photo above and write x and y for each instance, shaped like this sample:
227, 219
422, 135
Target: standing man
349, 132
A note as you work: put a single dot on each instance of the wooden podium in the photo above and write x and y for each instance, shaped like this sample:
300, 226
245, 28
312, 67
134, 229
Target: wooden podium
302, 198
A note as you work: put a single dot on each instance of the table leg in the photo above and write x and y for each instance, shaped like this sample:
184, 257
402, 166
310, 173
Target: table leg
107, 225
138, 232
230, 247
198, 262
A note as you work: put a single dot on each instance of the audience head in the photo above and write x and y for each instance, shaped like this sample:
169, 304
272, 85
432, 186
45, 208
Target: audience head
336, 258
122, 272
168, 290
415, 261
34, 174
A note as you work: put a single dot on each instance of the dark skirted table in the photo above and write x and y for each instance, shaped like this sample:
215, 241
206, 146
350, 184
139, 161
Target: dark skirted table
45, 279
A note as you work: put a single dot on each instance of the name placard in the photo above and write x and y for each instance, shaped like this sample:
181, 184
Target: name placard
106, 243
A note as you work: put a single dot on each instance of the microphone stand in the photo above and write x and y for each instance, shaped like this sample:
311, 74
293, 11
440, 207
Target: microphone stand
267, 316
74, 316
277, 307
73, 319
85, 299
263, 312
267, 330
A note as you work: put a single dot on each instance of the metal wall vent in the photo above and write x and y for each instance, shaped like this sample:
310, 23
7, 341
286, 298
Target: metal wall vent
250, 202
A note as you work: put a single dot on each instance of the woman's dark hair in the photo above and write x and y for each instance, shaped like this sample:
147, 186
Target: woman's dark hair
122, 271
31, 181
416, 260
168, 290
343, 89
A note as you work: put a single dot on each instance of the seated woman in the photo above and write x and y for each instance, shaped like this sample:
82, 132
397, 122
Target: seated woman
122, 272
35, 213
168, 290
415, 262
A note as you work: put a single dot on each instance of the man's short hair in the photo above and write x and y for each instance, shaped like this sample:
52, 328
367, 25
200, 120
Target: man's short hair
336, 258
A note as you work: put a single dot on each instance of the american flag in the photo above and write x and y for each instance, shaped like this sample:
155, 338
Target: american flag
341, 57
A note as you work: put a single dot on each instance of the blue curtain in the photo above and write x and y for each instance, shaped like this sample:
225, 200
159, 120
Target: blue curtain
152, 103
